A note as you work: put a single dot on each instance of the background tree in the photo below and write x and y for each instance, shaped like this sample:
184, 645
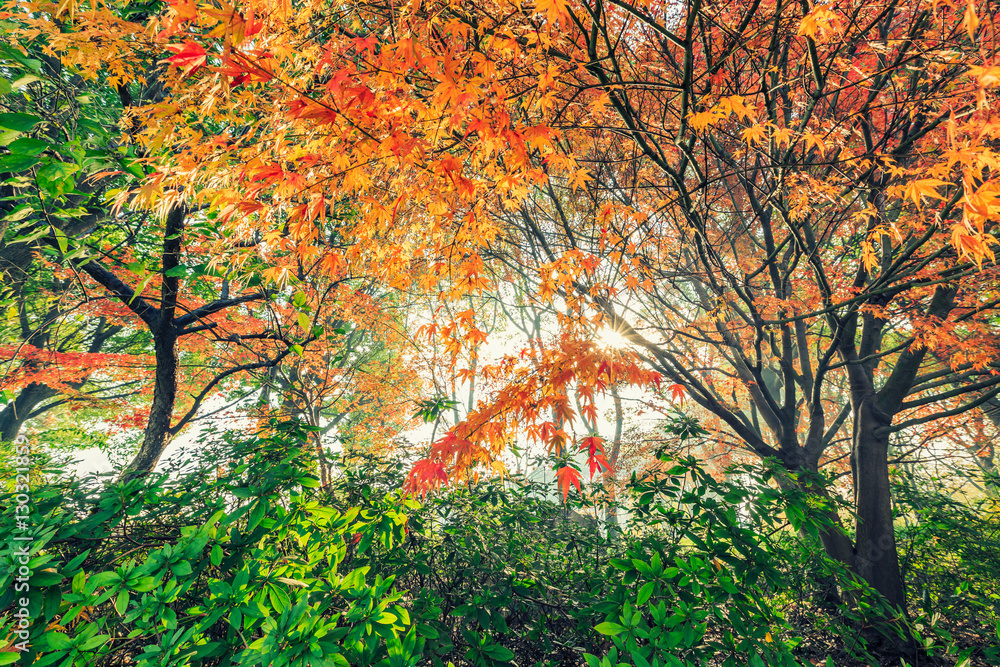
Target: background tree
61, 156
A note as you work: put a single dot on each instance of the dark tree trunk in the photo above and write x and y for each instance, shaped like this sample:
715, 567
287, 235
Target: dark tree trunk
616, 448
165, 332
12, 417
876, 558
158, 432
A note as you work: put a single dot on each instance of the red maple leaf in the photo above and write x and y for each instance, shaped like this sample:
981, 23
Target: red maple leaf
190, 56
568, 476
596, 459
425, 476
677, 392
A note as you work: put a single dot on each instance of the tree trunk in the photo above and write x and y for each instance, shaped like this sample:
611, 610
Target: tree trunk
165, 332
12, 417
876, 558
158, 432
616, 447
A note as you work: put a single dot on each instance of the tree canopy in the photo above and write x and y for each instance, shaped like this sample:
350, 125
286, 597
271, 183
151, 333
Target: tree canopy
369, 215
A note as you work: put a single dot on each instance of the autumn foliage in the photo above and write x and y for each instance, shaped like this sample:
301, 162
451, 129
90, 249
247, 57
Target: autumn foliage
788, 211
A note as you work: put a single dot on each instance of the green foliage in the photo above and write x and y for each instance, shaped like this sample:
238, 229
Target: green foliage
248, 562
56, 132
950, 556
496, 571
965, 583
696, 586
241, 567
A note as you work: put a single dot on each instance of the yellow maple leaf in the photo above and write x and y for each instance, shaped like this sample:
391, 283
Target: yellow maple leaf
553, 9
970, 20
814, 140
926, 187
734, 105
988, 77
868, 256
702, 120
755, 135
783, 136
820, 20
580, 178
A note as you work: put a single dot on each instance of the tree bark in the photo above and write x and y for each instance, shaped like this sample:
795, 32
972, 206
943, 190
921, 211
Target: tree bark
165, 332
158, 432
12, 417
876, 558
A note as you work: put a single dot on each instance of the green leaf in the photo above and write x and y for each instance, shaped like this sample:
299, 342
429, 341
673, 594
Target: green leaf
41, 579
645, 593
24, 81
427, 631
500, 653
58, 641
623, 565
176, 272
56, 178
104, 579
181, 569
17, 162
609, 628
216, 556
121, 603
94, 642
303, 320
256, 514
28, 146
62, 241
19, 122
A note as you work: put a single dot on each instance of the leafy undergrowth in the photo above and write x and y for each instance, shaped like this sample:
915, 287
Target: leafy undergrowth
254, 563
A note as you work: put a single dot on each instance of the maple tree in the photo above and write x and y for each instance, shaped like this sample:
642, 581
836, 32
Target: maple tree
63, 210
757, 227
786, 208
55, 352
353, 385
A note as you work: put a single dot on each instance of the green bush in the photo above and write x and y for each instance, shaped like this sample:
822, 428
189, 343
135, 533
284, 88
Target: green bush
247, 561
496, 573
243, 566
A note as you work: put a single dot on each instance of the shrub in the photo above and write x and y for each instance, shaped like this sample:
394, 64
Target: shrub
240, 567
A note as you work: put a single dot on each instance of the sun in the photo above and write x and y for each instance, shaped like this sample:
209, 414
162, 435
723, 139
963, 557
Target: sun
609, 337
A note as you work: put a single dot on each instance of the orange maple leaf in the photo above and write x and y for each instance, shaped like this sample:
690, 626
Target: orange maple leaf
927, 187
970, 20
755, 135
568, 476
553, 9
187, 10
